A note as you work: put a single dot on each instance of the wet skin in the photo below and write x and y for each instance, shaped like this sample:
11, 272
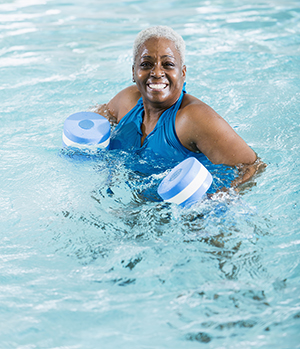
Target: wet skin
159, 76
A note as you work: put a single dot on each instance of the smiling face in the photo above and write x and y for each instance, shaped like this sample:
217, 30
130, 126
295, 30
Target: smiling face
158, 72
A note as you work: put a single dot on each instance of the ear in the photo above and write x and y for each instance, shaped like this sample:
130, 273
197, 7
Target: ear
133, 79
184, 71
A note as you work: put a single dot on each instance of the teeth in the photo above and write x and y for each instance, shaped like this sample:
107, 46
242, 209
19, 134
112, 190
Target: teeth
157, 86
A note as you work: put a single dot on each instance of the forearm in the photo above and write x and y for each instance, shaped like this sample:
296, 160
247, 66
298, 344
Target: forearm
246, 172
103, 110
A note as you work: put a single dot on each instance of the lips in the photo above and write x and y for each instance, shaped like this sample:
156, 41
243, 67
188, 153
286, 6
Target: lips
157, 87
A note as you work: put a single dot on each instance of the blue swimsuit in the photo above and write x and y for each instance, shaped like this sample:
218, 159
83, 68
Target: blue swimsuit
162, 141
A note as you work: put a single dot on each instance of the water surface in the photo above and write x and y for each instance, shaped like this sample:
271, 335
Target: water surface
88, 258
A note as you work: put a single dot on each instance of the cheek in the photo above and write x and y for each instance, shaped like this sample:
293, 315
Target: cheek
140, 75
177, 76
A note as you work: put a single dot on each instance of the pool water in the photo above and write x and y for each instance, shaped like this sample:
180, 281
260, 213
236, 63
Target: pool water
90, 258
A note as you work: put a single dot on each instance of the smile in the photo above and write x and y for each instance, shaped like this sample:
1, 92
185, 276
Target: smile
157, 86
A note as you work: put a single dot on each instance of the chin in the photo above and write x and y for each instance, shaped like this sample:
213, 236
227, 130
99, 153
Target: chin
158, 99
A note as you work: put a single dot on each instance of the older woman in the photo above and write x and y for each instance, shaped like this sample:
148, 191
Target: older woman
157, 115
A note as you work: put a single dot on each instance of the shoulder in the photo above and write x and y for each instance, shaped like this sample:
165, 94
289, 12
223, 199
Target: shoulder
194, 119
194, 109
200, 128
123, 102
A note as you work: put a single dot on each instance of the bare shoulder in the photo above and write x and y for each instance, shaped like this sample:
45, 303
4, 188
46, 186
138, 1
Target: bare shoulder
200, 128
123, 102
194, 109
194, 119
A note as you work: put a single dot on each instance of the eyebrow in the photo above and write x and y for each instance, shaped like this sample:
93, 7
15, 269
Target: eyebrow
147, 56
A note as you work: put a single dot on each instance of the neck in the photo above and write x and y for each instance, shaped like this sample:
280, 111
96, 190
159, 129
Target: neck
153, 113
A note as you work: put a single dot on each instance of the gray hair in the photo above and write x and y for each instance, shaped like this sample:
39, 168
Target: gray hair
159, 31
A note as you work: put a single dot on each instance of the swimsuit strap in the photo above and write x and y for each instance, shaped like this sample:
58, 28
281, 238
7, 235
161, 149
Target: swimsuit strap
172, 111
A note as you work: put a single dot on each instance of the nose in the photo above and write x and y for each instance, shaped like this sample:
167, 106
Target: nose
157, 71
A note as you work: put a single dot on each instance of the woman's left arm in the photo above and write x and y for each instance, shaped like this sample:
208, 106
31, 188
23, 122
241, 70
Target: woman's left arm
200, 128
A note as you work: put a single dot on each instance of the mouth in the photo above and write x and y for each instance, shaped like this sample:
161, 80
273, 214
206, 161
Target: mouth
157, 87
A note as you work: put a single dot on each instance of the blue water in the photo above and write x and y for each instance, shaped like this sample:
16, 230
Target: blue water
88, 258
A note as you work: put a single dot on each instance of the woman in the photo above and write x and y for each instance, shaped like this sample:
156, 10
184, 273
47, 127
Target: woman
157, 115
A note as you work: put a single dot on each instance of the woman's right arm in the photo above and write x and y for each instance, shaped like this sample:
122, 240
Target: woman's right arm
119, 105
104, 110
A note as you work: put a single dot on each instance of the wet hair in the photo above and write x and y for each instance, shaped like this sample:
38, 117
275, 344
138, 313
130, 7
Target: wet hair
159, 31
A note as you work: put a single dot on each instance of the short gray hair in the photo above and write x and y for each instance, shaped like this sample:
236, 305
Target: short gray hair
159, 31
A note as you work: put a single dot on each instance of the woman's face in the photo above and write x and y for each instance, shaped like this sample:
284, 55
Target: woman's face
158, 72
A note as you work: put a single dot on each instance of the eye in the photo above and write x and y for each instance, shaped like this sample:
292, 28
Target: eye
145, 65
169, 64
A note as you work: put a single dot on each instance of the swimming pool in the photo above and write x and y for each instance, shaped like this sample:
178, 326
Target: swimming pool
88, 259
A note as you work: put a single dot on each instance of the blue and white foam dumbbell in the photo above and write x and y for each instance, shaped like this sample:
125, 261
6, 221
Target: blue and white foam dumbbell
186, 183
86, 130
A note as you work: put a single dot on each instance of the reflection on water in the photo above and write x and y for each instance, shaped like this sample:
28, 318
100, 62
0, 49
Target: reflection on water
90, 256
